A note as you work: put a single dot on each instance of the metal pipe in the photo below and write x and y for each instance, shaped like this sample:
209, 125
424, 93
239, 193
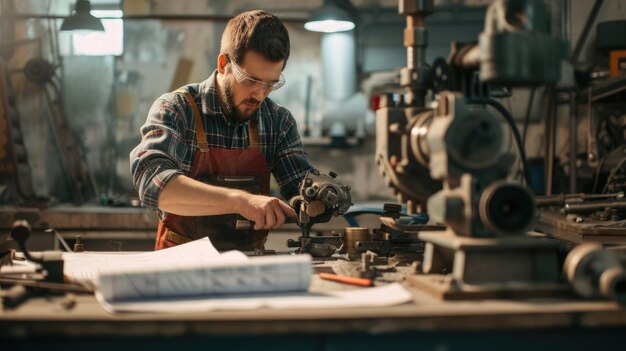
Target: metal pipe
591, 150
573, 140
550, 132
415, 42
566, 20
593, 206
181, 17
595, 273
562, 199
586, 29
411, 58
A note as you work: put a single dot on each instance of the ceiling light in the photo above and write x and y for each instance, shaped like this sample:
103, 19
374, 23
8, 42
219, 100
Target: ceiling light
330, 18
82, 19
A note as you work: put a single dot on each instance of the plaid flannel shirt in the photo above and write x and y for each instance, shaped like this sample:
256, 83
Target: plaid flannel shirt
168, 142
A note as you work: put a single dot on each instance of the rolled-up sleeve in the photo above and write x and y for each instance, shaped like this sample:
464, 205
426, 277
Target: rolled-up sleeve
163, 151
292, 163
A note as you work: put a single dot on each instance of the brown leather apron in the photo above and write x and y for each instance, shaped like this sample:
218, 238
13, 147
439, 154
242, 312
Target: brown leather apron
242, 169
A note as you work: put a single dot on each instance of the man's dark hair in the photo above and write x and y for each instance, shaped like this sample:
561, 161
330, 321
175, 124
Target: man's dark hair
255, 30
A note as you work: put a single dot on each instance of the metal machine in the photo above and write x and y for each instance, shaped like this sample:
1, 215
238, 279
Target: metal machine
454, 161
320, 197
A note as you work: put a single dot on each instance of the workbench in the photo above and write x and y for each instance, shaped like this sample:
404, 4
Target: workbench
46, 322
426, 323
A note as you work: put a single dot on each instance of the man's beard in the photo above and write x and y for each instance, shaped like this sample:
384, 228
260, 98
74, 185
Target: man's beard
230, 110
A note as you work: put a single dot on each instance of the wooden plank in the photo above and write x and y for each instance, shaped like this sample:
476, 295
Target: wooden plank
558, 226
88, 218
181, 75
46, 316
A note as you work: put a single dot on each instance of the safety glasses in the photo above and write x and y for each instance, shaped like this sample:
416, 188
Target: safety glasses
243, 78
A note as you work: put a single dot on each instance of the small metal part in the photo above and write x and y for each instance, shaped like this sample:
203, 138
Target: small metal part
13, 296
79, 246
51, 261
7, 255
321, 250
351, 237
392, 210
595, 273
244, 224
320, 197
368, 259
69, 301
43, 285
507, 208
20, 231
594, 206
259, 252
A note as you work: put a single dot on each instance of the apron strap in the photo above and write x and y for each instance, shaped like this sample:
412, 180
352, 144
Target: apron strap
253, 131
203, 145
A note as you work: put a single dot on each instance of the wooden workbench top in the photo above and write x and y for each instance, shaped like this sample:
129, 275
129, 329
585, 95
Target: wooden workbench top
48, 316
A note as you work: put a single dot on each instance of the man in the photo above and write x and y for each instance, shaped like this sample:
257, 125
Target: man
207, 149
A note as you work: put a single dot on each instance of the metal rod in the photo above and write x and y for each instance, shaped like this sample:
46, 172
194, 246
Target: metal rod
586, 29
566, 20
593, 206
550, 140
591, 155
307, 106
31, 283
561, 199
573, 140
214, 18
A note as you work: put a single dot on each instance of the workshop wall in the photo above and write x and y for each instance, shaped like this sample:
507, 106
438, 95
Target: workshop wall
141, 78
35, 38
106, 99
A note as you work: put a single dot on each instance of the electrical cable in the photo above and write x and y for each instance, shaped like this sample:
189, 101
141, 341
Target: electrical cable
509, 118
529, 108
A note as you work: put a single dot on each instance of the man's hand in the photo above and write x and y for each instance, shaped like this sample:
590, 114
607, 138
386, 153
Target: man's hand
265, 211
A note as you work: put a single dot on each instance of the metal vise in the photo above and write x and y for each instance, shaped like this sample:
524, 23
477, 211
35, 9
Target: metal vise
320, 198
